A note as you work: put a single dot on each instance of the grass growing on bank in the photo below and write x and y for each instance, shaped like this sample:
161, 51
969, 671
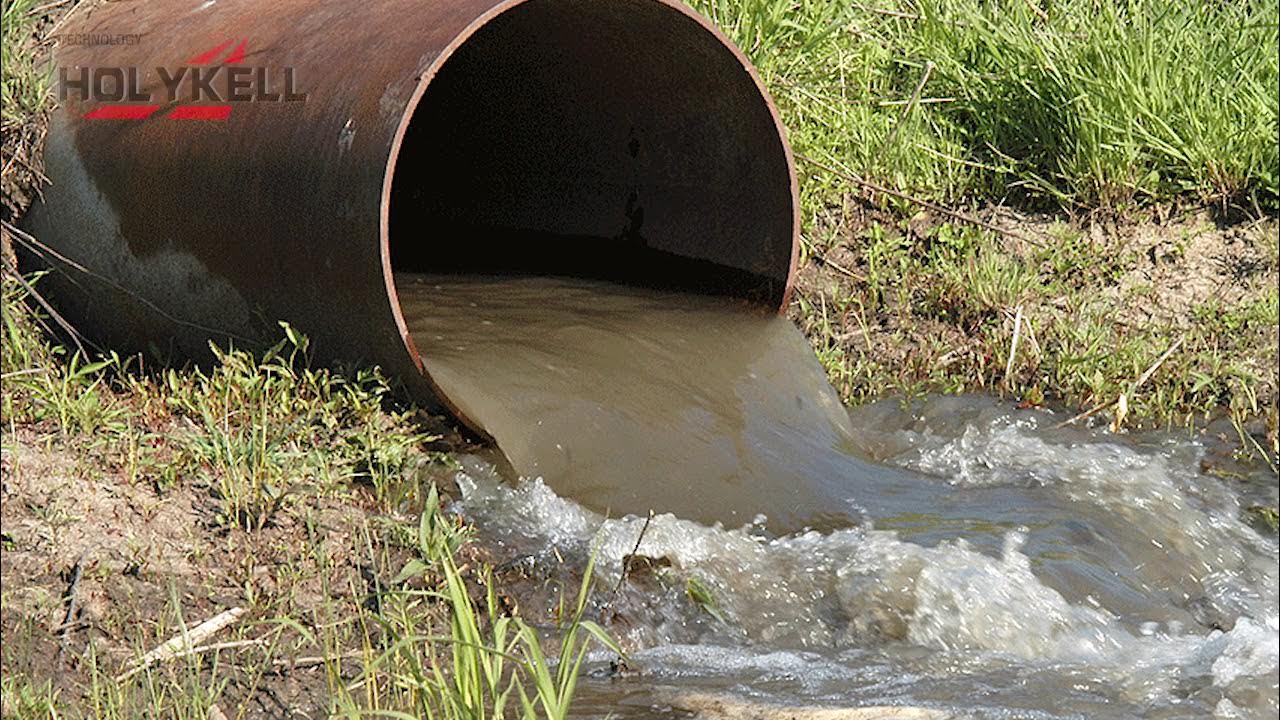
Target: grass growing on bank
1070, 105
24, 87
1074, 102
1136, 109
491, 665
292, 476
255, 428
272, 454
1078, 321
25, 90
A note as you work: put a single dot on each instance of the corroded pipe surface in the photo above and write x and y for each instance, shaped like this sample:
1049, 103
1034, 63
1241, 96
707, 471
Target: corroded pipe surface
233, 163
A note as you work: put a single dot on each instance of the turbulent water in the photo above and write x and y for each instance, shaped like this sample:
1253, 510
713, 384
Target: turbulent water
962, 555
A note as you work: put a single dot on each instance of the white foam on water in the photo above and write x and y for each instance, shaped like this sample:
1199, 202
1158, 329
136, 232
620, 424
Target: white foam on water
863, 609
957, 598
1191, 521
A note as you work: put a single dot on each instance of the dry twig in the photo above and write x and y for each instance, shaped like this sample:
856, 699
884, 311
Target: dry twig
906, 110
62, 322
44, 251
953, 214
626, 559
186, 642
68, 620
1013, 346
1142, 379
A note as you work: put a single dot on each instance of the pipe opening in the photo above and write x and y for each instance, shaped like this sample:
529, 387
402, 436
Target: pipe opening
620, 140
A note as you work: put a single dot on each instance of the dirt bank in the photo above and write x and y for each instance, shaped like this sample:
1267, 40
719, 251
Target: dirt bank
1176, 314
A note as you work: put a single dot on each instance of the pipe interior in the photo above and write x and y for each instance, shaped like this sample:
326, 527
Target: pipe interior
618, 140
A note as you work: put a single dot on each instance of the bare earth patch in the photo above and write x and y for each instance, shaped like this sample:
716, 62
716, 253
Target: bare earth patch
140, 564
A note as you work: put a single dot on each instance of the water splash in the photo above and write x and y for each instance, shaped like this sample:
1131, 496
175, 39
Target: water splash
1130, 588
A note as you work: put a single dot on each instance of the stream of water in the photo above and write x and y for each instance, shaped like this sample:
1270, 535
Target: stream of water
956, 554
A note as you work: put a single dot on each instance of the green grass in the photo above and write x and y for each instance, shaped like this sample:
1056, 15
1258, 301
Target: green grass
1070, 106
426, 649
24, 698
430, 649
1072, 103
489, 665
24, 89
263, 425
268, 439
46, 382
935, 310
253, 428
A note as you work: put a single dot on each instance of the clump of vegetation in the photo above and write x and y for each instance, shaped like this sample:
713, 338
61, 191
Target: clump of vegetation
260, 426
911, 118
703, 597
918, 308
305, 471
253, 428
268, 439
491, 665
24, 88
1264, 516
1072, 103
430, 649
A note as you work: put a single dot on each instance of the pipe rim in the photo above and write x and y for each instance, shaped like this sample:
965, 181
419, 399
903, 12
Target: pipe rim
411, 107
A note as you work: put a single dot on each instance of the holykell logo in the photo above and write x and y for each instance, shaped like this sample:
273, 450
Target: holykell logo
205, 87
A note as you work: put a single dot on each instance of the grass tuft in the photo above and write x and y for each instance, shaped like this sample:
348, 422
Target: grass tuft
491, 664
1071, 103
24, 89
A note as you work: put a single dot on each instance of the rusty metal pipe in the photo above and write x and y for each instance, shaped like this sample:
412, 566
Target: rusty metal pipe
602, 134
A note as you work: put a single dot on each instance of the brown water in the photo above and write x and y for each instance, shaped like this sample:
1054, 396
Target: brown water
630, 400
955, 553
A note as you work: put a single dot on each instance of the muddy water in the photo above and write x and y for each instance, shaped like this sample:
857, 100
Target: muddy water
619, 397
967, 557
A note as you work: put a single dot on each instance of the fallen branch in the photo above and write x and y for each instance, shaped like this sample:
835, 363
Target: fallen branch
1044, 16
905, 15
309, 661
906, 110
186, 642
1144, 377
626, 559
1084, 415
918, 101
626, 565
822, 257
888, 13
39, 248
62, 322
23, 372
1013, 346
53, 31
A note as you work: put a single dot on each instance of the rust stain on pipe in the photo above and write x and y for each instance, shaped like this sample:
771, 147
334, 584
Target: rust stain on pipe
599, 133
